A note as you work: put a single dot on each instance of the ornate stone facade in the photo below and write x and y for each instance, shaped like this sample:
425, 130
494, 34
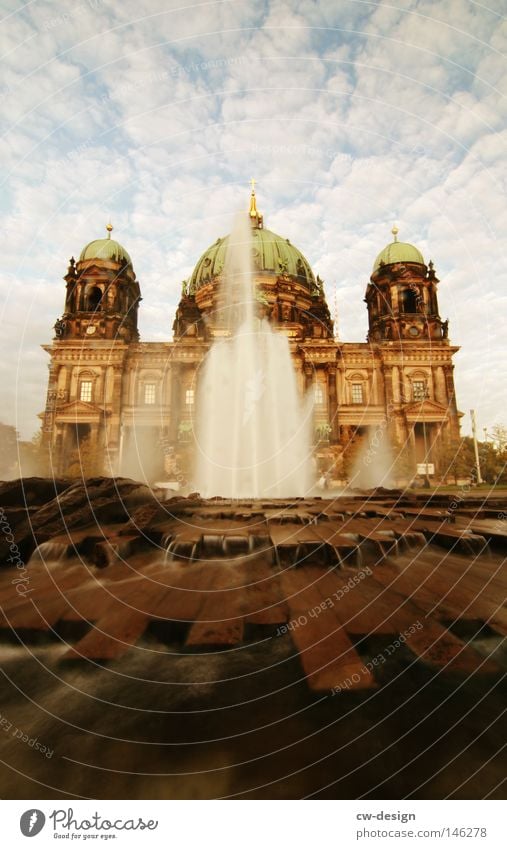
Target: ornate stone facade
112, 396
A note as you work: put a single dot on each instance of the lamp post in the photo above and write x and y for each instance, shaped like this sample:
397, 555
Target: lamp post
425, 396
476, 447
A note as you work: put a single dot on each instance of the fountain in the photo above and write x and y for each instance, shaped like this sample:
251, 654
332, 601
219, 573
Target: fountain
252, 429
374, 465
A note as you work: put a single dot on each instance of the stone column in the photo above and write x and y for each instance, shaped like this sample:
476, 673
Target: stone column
333, 402
308, 372
394, 298
374, 386
439, 383
387, 379
452, 407
176, 381
395, 377
60, 447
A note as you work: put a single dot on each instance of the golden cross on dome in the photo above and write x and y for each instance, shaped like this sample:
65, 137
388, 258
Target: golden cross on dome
395, 231
255, 216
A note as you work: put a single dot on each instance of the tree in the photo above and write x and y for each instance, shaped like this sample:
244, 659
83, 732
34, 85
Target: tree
87, 460
499, 433
34, 456
352, 452
403, 463
8, 451
457, 460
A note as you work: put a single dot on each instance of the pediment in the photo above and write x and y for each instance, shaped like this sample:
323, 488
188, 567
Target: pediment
79, 410
425, 411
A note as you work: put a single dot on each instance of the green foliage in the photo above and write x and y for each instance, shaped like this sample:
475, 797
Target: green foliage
403, 464
87, 460
457, 460
323, 430
351, 453
184, 431
8, 451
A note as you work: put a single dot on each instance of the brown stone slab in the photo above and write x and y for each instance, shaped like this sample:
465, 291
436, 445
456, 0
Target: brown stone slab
433, 643
185, 598
460, 587
220, 618
38, 617
327, 655
43, 606
264, 602
403, 581
364, 606
112, 636
92, 601
219, 633
437, 646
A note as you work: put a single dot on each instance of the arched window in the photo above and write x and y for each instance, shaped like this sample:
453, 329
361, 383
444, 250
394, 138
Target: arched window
318, 393
86, 390
149, 388
93, 299
150, 393
356, 386
86, 386
419, 390
409, 299
356, 393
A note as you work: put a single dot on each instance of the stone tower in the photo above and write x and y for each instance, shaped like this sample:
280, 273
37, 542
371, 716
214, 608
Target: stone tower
405, 328
88, 356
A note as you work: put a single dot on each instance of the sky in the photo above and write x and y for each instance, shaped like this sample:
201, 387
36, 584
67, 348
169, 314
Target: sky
351, 115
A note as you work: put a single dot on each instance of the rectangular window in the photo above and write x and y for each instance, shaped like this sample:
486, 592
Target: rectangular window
189, 397
85, 390
150, 393
357, 393
419, 390
318, 394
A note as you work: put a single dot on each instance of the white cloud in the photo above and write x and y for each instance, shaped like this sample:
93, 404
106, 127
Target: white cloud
350, 115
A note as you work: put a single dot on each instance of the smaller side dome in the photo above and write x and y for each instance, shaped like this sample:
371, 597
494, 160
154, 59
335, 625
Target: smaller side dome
398, 252
105, 249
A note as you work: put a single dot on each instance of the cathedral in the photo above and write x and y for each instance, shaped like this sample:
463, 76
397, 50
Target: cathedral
130, 404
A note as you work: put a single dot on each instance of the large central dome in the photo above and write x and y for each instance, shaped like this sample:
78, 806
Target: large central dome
271, 253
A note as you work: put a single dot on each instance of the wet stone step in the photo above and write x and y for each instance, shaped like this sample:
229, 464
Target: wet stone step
115, 549
459, 542
375, 547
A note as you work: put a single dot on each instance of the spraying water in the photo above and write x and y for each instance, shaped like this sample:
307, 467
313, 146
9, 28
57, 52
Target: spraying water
374, 464
253, 433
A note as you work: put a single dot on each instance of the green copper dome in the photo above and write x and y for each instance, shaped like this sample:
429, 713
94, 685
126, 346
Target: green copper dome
107, 249
398, 252
270, 253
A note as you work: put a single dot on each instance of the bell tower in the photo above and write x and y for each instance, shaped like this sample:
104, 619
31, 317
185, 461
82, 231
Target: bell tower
409, 341
402, 297
89, 356
102, 294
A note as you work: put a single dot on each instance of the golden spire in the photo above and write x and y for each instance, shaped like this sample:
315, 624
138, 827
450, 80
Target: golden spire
109, 227
395, 231
253, 201
255, 216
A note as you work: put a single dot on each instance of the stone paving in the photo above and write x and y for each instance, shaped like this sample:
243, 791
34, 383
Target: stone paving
218, 574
